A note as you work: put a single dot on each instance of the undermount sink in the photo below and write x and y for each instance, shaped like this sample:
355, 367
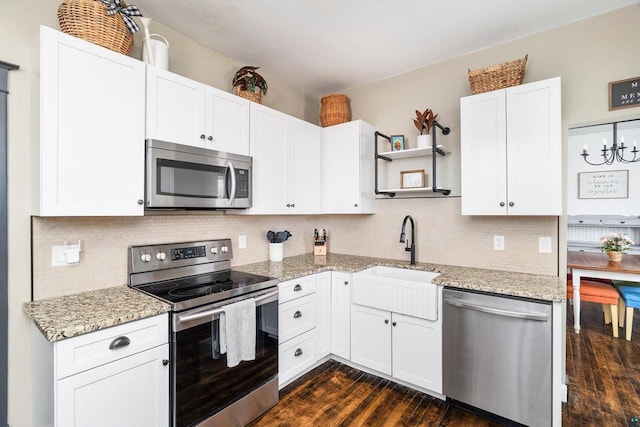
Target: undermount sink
402, 274
398, 290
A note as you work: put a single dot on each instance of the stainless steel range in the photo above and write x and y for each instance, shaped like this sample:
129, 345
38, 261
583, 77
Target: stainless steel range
197, 280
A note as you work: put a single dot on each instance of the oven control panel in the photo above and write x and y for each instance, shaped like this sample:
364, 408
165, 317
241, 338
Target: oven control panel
158, 257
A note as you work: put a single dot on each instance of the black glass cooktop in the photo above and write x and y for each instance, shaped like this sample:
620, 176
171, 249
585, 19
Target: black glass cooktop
205, 288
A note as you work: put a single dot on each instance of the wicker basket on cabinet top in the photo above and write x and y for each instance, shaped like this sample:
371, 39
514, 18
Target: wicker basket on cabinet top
334, 110
88, 20
497, 76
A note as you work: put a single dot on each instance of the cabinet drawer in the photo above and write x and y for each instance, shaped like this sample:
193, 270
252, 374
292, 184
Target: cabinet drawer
297, 316
91, 350
296, 288
296, 355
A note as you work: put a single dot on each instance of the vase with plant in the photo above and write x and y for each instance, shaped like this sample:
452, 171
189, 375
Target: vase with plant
615, 245
424, 122
249, 84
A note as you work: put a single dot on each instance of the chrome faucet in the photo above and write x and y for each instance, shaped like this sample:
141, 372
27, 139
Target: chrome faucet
408, 248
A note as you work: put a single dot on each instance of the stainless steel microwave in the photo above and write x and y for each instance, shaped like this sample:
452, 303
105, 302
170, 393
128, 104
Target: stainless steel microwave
183, 177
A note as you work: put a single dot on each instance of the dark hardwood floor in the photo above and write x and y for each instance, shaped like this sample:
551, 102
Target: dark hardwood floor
604, 387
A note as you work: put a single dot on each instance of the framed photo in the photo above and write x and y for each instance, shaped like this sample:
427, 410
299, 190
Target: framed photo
624, 94
603, 185
413, 179
397, 142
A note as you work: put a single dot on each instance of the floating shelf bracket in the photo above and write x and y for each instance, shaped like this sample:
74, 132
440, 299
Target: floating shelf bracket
385, 158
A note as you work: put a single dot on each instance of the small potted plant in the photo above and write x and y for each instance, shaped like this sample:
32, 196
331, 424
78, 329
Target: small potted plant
249, 84
615, 245
424, 122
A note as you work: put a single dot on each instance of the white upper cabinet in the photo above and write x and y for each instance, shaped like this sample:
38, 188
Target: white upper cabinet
188, 112
511, 150
286, 163
91, 143
348, 168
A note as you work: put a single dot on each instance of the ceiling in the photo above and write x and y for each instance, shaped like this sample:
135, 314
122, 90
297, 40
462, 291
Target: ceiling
325, 46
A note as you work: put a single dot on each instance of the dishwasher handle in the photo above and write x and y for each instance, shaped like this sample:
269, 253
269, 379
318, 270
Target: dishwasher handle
497, 311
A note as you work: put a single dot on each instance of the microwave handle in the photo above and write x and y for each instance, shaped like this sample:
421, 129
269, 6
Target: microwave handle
232, 193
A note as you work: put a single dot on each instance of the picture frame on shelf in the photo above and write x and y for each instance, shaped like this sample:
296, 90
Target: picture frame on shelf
413, 179
397, 142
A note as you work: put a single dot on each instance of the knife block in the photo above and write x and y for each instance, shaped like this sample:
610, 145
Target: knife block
320, 247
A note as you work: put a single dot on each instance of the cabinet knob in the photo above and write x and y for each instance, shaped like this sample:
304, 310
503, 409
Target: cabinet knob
210, 138
288, 205
297, 314
623, 222
501, 204
140, 202
386, 321
355, 205
202, 136
165, 362
293, 205
580, 221
119, 342
394, 323
346, 282
297, 288
298, 352
511, 204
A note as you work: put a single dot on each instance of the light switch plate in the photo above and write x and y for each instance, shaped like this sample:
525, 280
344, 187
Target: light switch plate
242, 241
544, 245
498, 243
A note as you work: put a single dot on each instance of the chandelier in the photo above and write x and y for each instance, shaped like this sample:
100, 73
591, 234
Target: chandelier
613, 153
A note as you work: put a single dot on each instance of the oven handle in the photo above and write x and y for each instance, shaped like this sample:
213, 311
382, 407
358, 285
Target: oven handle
213, 312
232, 193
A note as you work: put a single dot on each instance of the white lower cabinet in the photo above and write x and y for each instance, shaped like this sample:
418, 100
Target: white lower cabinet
371, 338
296, 327
341, 314
323, 314
117, 376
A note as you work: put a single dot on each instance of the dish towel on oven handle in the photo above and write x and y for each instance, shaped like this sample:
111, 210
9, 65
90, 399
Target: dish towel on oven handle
238, 331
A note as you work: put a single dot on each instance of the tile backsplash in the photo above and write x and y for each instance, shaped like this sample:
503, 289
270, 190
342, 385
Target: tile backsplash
443, 236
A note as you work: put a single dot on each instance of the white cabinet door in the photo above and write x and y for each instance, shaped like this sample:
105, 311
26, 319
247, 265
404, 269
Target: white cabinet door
91, 147
304, 167
534, 151
227, 122
323, 314
268, 149
130, 392
483, 144
371, 338
511, 149
175, 108
341, 314
417, 351
348, 168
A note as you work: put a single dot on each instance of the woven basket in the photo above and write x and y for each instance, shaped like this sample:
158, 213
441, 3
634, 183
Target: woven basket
497, 76
251, 96
334, 110
88, 20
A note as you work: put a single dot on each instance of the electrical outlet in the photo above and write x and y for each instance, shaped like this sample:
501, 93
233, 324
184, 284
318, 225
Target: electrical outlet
544, 245
242, 241
498, 243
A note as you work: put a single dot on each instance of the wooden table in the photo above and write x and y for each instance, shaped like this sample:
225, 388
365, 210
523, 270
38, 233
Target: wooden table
593, 264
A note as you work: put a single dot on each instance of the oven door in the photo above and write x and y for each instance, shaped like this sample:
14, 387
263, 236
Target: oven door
201, 383
182, 177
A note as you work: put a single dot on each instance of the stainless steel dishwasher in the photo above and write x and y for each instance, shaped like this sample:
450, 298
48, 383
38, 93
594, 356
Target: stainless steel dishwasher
497, 355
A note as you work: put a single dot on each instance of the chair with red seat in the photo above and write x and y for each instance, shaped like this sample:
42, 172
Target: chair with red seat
599, 292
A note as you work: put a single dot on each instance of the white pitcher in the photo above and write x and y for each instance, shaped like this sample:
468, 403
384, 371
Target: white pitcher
159, 51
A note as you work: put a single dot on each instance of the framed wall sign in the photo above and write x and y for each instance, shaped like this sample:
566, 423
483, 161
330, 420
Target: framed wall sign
624, 94
413, 179
603, 185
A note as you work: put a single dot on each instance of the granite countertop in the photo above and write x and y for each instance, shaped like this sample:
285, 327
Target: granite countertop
547, 288
72, 315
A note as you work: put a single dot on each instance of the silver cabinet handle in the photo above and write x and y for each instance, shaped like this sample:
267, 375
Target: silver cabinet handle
499, 312
386, 321
140, 202
501, 204
298, 352
202, 136
297, 314
210, 138
119, 343
297, 288
165, 362
511, 204
393, 323
346, 282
